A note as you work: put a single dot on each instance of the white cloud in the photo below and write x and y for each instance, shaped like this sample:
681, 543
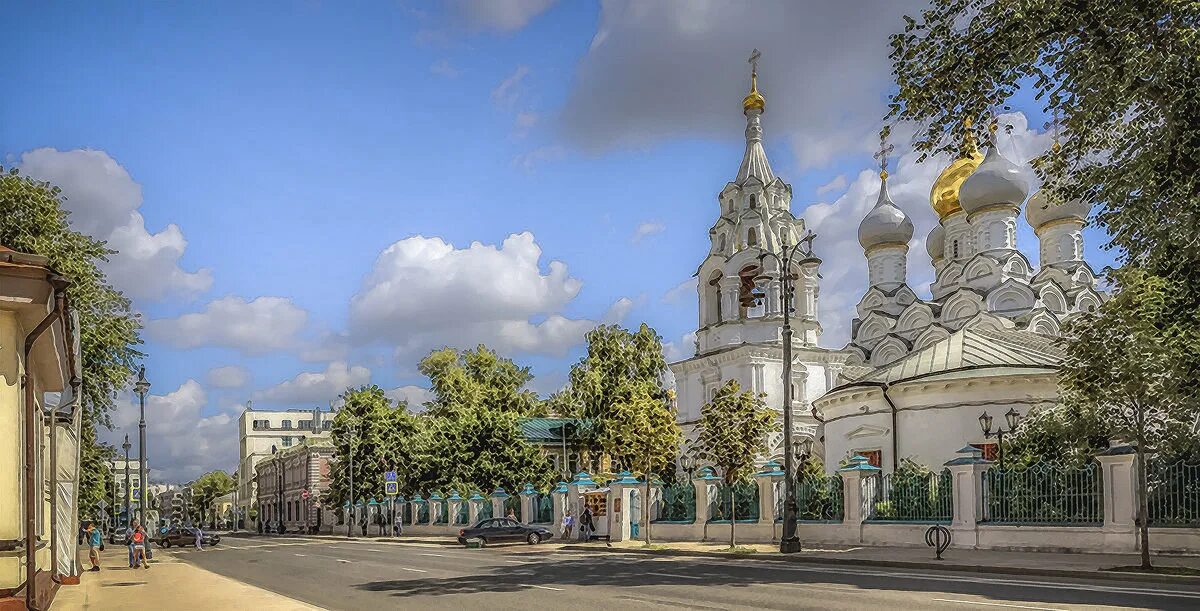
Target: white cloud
443, 67
834, 185
525, 122
424, 293
316, 387
506, 94
684, 348
182, 443
685, 290
229, 376
416, 396
646, 229
836, 225
254, 327
503, 15
823, 70
104, 202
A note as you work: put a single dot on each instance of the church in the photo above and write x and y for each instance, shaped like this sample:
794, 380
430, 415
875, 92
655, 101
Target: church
922, 376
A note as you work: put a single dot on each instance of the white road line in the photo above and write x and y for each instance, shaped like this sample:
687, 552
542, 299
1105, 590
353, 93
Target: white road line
516, 562
434, 555
301, 555
976, 602
529, 585
404, 568
673, 575
373, 551
340, 560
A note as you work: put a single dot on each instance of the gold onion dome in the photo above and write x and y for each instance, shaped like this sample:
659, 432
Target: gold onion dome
754, 99
944, 194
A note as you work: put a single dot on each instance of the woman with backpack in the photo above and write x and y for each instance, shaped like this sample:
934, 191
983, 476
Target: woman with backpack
139, 547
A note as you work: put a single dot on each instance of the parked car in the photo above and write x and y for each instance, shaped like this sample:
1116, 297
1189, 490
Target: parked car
186, 536
498, 530
117, 537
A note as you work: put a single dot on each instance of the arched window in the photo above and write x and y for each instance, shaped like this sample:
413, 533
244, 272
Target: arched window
721, 243
753, 201
954, 249
714, 297
747, 296
752, 237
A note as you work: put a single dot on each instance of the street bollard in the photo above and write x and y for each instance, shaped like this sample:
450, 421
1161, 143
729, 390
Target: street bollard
938, 537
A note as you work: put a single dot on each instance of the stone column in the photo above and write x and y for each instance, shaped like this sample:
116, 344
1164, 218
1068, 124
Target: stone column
582, 483
436, 503
558, 498
854, 495
966, 473
766, 479
527, 497
415, 510
498, 498
620, 496
703, 482
453, 505
474, 503
730, 306
1119, 467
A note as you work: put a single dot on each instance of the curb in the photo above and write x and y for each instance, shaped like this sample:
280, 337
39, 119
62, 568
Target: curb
903, 564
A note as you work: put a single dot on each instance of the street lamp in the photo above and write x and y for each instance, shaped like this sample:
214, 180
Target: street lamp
790, 542
1012, 419
126, 446
803, 453
689, 465
141, 387
350, 454
278, 488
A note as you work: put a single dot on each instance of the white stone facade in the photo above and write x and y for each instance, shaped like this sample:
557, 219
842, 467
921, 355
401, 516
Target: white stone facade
260, 430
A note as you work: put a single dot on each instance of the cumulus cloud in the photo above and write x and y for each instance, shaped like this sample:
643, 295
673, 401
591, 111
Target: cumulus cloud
251, 327
502, 15
182, 442
836, 225
506, 94
316, 387
415, 396
104, 203
229, 376
836, 184
424, 293
683, 348
823, 71
646, 229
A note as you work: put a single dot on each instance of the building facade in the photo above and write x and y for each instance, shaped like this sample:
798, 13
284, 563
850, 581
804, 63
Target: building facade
291, 484
739, 333
261, 430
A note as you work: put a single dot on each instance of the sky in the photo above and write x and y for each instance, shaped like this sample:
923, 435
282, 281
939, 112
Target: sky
313, 195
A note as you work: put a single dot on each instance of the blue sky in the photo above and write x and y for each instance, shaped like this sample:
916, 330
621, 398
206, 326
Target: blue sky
296, 189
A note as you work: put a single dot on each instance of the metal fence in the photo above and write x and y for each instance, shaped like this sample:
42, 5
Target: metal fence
742, 497
1173, 494
485, 510
1043, 493
423, 512
911, 496
464, 512
819, 498
543, 508
676, 504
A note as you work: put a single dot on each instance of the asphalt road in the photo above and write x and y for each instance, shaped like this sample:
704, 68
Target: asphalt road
375, 575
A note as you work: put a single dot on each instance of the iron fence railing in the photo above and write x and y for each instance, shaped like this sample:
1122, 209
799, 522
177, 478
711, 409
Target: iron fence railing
464, 512
1043, 493
911, 496
1173, 494
742, 497
819, 498
543, 508
485, 510
677, 504
423, 512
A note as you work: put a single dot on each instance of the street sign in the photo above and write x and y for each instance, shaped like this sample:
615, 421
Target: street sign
101, 504
135, 494
389, 476
391, 488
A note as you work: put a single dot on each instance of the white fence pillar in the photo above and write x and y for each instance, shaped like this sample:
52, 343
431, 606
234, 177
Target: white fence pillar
619, 497
558, 497
498, 498
528, 513
474, 504
453, 507
574, 500
855, 498
766, 493
1119, 467
704, 482
966, 484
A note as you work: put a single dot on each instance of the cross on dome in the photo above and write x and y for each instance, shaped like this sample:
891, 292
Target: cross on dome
885, 149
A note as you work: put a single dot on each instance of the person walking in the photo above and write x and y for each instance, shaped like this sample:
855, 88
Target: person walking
199, 539
139, 548
586, 526
129, 531
512, 514
95, 541
568, 524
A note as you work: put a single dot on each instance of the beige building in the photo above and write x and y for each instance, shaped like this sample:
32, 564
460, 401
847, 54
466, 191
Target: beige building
291, 484
261, 430
220, 512
39, 434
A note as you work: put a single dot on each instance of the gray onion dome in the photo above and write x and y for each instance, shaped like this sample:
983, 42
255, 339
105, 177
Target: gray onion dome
935, 244
885, 223
1040, 211
996, 181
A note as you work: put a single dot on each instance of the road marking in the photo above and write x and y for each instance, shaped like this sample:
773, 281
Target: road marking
673, 575
529, 585
976, 602
434, 555
404, 568
516, 562
373, 550
301, 555
340, 560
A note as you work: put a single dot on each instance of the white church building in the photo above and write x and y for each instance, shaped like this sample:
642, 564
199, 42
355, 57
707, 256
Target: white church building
918, 372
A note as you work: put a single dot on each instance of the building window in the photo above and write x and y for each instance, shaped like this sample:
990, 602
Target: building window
954, 249
327, 425
305, 425
286, 424
752, 237
287, 442
753, 201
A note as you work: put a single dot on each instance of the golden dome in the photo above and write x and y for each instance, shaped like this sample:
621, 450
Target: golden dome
944, 194
754, 99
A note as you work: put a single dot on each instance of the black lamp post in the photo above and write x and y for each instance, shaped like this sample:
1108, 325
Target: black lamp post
688, 464
141, 387
803, 453
1011, 418
350, 456
128, 491
790, 542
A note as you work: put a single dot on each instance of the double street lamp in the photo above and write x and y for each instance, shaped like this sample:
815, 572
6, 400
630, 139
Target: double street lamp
141, 387
786, 259
1012, 419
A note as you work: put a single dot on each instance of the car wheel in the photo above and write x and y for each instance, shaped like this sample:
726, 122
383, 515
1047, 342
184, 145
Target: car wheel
534, 538
166, 542
482, 542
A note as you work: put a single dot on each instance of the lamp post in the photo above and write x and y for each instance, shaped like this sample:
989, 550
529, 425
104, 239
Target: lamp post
126, 446
350, 455
115, 506
141, 387
803, 453
789, 543
278, 481
1012, 419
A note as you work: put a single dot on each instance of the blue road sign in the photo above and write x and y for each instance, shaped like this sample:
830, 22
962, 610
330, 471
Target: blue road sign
391, 488
389, 476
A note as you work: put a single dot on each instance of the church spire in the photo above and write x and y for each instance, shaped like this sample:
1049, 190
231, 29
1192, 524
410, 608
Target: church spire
754, 162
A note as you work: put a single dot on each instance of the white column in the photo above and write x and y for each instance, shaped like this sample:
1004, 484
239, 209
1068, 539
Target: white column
620, 495
474, 502
1119, 466
766, 492
730, 308
966, 473
527, 511
558, 498
854, 499
498, 498
702, 483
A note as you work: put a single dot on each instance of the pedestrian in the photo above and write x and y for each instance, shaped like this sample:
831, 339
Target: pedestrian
568, 524
129, 531
199, 539
139, 548
94, 543
512, 514
586, 527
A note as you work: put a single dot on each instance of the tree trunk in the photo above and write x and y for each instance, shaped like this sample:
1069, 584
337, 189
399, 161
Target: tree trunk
646, 505
732, 515
1143, 504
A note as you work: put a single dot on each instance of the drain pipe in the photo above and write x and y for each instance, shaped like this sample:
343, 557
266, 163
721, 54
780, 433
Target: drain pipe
31, 488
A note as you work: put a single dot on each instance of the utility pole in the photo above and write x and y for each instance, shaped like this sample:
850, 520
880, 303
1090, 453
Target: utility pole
128, 490
350, 452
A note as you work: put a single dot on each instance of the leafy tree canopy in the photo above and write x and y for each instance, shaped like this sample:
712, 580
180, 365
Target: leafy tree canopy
732, 431
478, 378
208, 487
362, 435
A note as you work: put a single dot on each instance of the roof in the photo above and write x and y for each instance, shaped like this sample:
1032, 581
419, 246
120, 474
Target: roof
971, 349
544, 430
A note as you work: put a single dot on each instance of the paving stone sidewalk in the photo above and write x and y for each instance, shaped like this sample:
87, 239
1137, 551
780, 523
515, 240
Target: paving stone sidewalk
168, 584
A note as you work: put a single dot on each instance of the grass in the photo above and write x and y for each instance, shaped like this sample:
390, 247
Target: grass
740, 550
1183, 571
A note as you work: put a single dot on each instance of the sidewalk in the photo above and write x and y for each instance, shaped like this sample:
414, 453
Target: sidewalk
982, 561
168, 584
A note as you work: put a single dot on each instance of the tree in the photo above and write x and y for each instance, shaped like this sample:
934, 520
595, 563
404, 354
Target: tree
208, 487
643, 433
478, 378
616, 362
358, 438
33, 220
1120, 364
731, 433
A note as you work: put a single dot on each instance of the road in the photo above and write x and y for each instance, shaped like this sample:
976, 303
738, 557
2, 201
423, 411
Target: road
376, 575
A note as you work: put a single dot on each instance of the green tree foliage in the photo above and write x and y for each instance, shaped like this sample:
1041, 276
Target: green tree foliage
478, 379
359, 433
618, 364
643, 435
208, 487
731, 433
33, 220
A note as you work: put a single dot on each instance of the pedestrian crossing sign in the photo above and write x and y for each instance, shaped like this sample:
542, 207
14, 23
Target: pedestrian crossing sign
391, 488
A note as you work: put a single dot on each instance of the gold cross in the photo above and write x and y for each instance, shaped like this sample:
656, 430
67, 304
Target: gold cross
884, 150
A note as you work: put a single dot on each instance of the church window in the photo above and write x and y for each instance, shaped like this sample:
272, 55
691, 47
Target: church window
748, 297
721, 243
753, 201
752, 237
874, 457
714, 297
954, 249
